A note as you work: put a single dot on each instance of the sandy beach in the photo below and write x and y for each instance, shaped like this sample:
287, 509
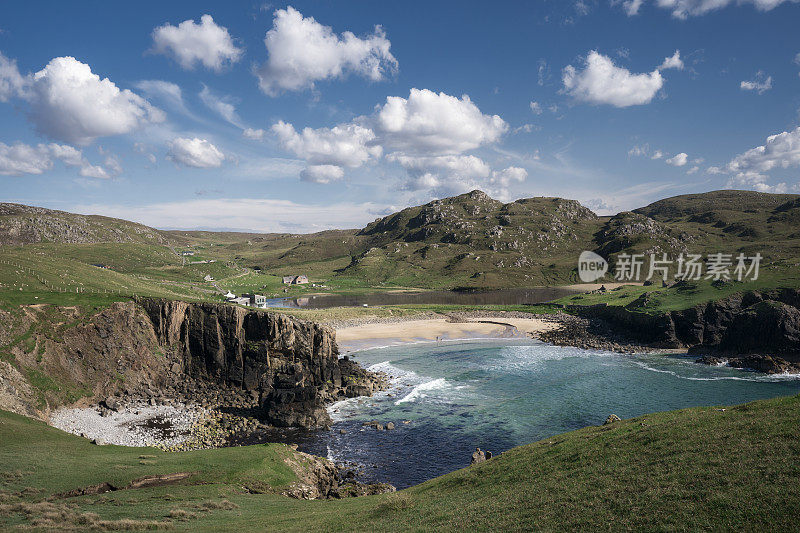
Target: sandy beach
369, 335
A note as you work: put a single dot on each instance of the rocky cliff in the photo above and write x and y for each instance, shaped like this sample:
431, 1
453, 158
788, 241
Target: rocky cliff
757, 329
290, 367
269, 366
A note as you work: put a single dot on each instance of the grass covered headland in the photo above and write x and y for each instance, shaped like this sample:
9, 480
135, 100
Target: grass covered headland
716, 468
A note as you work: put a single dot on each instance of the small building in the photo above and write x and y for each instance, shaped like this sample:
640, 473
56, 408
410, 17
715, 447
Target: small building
288, 279
208, 277
256, 300
295, 280
230, 296
187, 253
241, 300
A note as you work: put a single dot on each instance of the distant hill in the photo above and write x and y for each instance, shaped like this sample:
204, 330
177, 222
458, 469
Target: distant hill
470, 240
22, 224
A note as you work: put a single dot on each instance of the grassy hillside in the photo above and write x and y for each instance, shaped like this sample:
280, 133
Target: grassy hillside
469, 240
22, 224
701, 468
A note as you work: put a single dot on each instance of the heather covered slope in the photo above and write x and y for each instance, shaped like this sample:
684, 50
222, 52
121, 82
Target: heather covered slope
702, 468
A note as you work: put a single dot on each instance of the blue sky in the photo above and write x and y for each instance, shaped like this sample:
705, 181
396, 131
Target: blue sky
305, 116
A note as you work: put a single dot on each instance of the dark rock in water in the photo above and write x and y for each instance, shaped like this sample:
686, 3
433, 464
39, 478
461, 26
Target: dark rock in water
611, 419
375, 424
709, 360
478, 456
759, 363
488, 455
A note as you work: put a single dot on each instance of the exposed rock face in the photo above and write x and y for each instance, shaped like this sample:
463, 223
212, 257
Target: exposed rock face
318, 478
291, 366
757, 329
263, 365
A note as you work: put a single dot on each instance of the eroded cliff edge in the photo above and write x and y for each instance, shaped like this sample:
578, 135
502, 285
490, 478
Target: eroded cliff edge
274, 367
290, 368
753, 329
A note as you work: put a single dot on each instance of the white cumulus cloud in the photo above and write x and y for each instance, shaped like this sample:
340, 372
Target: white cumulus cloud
600, 81
321, 173
453, 166
536, 108
632, 7
70, 103
19, 159
683, 9
194, 152
779, 151
12, 83
189, 43
435, 123
761, 83
505, 177
302, 51
345, 145
253, 134
427, 134
673, 61
678, 160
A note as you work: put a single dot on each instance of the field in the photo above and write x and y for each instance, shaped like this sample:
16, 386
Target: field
701, 468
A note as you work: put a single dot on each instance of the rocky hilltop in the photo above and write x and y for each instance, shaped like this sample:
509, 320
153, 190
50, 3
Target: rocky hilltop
22, 224
278, 369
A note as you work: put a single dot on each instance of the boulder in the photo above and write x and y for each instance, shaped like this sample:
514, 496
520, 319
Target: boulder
111, 403
611, 419
478, 456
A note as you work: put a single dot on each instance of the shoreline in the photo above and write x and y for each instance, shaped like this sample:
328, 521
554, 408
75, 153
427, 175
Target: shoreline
366, 334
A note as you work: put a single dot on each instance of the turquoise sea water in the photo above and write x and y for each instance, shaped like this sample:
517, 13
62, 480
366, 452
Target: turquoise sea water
499, 394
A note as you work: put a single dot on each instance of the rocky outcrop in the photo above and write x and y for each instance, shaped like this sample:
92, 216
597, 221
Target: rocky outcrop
756, 329
319, 478
291, 367
246, 364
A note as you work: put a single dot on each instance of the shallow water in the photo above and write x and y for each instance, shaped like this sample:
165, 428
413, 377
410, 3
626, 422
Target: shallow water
499, 394
495, 297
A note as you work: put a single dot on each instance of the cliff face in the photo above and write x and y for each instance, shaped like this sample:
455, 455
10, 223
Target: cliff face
290, 367
763, 323
274, 367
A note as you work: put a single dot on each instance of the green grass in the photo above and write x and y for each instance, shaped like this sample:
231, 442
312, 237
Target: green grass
700, 468
689, 294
